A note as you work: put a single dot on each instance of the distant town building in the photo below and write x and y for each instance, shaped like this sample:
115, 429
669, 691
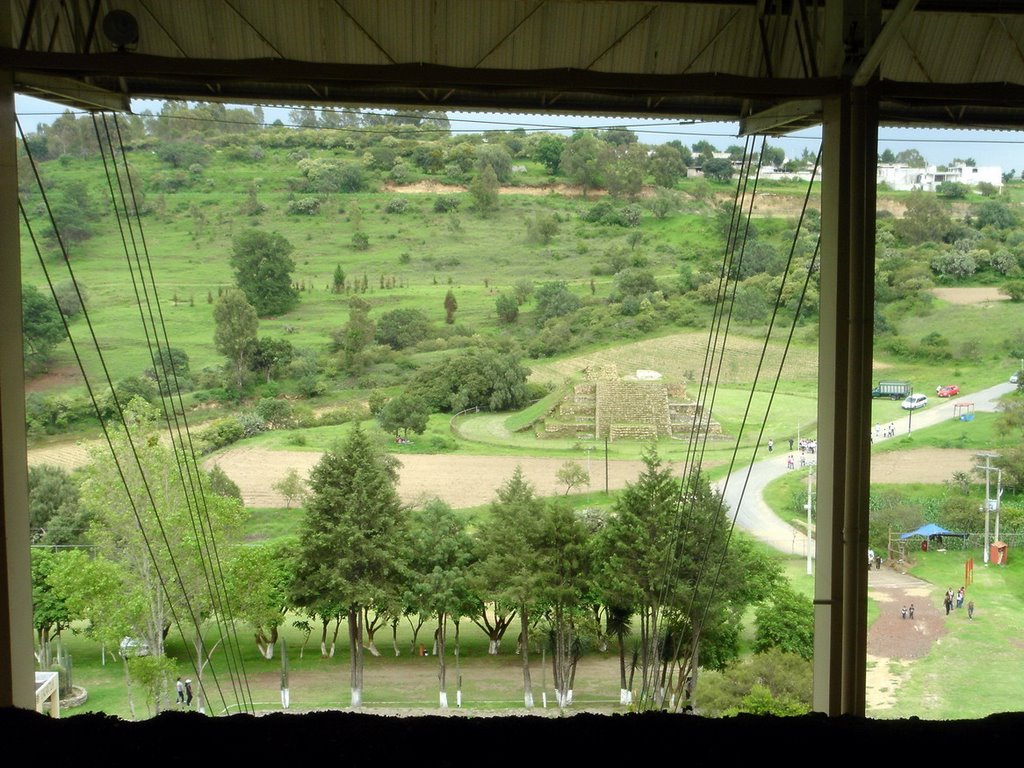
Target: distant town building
904, 178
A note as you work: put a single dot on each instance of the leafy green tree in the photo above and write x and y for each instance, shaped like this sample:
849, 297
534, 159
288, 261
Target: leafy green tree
291, 486
50, 612
263, 271
717, 169
223, 485
785, 621
235, 331
357, 333
352, 543
42, 328
257, 579
541, 228
924, 220
772, 682
667, 165
653, 555
507, 564
152, 517
484, 190
548, 152
450, 305
440, 558
498, 158
269, 356
74, 213
954, 190
623, 167
554, 299
54, 506
404, 413
912, 158
572, 475
479, 378
995, 214
338, 280
565, 569
507, 308
172, 373
581, 160
634, 281
1014, 289
401, 328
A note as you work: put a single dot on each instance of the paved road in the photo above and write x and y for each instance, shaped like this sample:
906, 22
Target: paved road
744, 489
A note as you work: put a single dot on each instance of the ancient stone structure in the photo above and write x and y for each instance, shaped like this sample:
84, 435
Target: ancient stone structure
644, 407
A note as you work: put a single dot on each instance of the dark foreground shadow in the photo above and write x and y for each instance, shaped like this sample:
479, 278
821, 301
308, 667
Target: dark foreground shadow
461, 741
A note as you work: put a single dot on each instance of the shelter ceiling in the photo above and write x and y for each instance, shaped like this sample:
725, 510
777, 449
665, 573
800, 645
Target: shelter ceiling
765, 63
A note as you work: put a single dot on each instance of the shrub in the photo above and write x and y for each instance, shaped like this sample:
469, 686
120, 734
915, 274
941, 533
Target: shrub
445, 203
396, 205
304, 206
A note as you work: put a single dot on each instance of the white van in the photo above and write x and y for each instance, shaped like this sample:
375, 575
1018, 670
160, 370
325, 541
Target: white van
913, 402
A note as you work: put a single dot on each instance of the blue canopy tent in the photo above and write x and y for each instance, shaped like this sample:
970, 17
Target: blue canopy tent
931, 532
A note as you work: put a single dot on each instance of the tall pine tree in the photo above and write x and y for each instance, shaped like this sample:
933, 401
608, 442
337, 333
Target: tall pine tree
353, 541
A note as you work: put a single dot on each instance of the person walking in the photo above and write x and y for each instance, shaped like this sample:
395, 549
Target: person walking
188, 693
970, 609
910, 611
771, 445
960, 598
948, 601
181, 691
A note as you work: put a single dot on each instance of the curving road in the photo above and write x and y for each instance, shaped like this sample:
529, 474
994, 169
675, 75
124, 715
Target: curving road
744, 489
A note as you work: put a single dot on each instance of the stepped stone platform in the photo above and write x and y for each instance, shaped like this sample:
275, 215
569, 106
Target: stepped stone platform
638, 407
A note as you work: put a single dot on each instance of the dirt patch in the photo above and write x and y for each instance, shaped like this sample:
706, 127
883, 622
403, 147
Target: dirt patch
922, 465
894, 642
981, 295
461, 481
58, 378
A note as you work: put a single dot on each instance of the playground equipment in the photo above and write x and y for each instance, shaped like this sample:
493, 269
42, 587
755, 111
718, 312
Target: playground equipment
963, 411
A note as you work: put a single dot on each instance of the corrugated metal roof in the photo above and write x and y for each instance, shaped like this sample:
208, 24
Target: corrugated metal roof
949, 61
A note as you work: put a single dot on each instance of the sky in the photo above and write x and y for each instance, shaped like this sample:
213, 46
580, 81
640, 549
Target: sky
939, 146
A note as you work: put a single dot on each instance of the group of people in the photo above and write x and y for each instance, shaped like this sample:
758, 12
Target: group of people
184, 692
957, 599
881, 431
908, 613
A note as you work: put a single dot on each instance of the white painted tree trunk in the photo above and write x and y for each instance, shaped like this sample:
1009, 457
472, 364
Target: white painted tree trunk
625, 697
528, 699
492, 647
357, 698
442, 700
266, 650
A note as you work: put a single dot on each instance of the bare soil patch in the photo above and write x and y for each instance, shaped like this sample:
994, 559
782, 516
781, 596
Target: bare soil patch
922, 465
894, 642
461, 481
979, 295
54, 379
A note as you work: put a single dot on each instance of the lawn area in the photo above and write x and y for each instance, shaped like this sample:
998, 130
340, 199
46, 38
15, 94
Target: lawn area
975, 669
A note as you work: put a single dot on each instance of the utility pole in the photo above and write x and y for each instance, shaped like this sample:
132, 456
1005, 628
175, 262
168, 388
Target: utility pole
988, 500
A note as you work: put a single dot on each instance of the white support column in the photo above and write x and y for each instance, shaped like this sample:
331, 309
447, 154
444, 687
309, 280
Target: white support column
17, 666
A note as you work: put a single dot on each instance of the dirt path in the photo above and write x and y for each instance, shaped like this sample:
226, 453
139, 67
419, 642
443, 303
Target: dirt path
977, 295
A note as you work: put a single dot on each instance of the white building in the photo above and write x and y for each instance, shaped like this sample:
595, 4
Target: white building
904, 178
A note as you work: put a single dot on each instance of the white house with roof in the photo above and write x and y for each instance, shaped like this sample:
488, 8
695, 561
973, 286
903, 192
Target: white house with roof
904, 178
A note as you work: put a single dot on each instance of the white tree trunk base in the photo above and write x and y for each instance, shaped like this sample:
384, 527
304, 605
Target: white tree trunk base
356, 699
442, 700
625, 697
285, 698
528, 699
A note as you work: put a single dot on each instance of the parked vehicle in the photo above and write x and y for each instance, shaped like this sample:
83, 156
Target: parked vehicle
894, 390
949, 390
913, 402
1014, 378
